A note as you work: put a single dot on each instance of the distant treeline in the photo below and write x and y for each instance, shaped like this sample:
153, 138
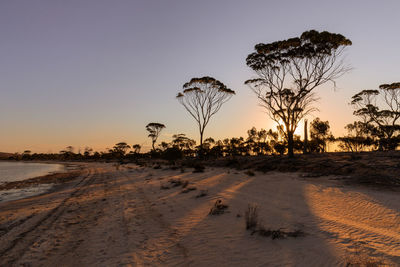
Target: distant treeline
258, 142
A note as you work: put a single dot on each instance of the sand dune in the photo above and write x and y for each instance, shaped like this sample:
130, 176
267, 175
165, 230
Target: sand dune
110, 217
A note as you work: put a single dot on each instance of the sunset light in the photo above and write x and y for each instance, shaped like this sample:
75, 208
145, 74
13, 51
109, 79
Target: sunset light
199, 133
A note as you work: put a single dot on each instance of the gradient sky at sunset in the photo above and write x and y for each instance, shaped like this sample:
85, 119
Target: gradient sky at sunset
93, 73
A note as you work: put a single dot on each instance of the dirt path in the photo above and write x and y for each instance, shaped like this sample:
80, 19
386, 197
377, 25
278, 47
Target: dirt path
99, 219
110, 217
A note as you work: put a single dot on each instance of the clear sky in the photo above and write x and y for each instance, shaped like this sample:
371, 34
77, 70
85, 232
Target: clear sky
94, 73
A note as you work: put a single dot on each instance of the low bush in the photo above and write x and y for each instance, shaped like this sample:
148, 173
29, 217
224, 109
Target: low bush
188, 189
249, 173
253, 224
202, 193
198, 168
218, 208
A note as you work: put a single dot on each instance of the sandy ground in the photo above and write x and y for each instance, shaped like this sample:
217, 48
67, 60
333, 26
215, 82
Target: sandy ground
110, 217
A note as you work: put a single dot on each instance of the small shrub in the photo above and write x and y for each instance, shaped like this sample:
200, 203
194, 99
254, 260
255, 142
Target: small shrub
188, 189
157, 166
185, 183
218, 208
277, 234
296, 233
253, 223
232, 162
175, 182
199, 168
251, 216
163, 186
250, 173
178, 182
202, 193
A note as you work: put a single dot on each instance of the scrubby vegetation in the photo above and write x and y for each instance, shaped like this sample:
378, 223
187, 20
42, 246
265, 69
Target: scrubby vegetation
218, 208
254, 224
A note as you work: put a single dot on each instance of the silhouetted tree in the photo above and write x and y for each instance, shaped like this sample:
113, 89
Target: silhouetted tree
120, 149
202, 98
136, 148
320, 134
257, 141
26, 155
87, 151
208, 143
288, 72
164, 145
380, 110
182, 142
68, 153
357, 138
154, 129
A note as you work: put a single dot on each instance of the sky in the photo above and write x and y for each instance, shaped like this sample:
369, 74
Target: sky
95, 72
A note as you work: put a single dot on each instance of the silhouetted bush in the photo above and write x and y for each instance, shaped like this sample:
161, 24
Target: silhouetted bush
249, 173
157, 166
199, 168
172, 154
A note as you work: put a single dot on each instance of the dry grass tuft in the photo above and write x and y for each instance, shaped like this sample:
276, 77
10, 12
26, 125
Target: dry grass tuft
253, 223
251, 216
218, 208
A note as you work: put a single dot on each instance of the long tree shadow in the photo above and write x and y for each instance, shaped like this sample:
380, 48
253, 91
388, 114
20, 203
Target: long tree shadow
282, 206
354, 219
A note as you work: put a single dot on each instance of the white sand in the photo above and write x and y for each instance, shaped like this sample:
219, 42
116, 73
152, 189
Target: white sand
121, 217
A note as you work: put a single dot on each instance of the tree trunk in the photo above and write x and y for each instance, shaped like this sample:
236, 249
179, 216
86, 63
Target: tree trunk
305, 145
152, 144
201, 144
290, 144
201, 140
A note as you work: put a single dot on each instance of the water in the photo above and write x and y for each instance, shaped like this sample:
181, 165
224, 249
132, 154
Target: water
17, 171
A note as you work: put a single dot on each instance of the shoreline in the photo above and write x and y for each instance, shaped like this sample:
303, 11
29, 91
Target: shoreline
38, 185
